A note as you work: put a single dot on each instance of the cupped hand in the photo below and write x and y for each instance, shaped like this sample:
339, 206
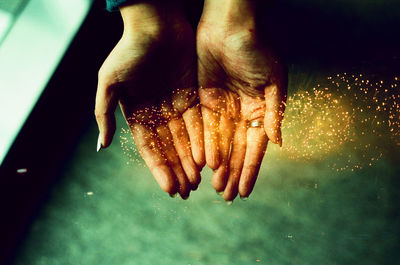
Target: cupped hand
241, 81
151, 73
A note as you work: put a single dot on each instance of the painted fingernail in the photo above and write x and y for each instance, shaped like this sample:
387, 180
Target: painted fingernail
99, 146
219, 192
229, 202
244, 198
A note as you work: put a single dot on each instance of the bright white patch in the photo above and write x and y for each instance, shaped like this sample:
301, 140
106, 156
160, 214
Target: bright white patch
29, 55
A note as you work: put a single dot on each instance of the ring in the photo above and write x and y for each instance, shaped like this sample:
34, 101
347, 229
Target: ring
255, 124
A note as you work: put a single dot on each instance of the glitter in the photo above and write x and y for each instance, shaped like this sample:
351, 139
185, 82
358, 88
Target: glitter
89, 193
339, 116
129, 148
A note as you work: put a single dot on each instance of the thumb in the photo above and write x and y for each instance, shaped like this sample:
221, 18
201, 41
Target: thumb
106, 102
275, 106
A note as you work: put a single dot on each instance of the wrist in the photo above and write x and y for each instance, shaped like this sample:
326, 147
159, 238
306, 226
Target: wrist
230, 14
150, 16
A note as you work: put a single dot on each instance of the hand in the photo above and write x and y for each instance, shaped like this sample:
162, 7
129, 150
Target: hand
240, 81
151, 73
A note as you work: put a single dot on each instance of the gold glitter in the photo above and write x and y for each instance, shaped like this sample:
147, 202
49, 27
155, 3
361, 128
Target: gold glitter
340, 116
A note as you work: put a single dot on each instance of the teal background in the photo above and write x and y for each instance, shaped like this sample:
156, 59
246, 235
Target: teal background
300, 212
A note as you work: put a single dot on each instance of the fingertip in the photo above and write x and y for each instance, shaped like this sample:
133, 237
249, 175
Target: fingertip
273, 130
107, 127
218, 187
229, 196
106, 140
200, 161
246, 185
219, 179
169, 188
184, 194
213, 160
192, 172
195, 182
165, 180
244, 192
247, 182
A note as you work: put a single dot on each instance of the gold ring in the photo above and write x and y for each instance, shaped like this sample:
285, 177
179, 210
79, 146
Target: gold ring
255, 124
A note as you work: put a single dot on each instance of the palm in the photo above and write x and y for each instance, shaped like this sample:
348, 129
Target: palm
154, 80
141, 66
240, 81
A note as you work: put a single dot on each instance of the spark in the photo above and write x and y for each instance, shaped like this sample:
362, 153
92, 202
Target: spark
339, 117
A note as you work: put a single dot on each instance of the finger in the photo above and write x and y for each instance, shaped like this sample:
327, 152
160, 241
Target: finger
275, 107
168, 149
236, 161
194, 126
185, 101
210, 122
149, 148
182, 147
106, 102
226, 128
256, 145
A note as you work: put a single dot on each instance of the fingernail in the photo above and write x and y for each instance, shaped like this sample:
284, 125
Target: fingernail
219, 192
244, 198
229, 202
99, 143
173, 195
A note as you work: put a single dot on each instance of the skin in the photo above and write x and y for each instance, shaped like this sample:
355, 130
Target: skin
240, 80
235, 78
151, 73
